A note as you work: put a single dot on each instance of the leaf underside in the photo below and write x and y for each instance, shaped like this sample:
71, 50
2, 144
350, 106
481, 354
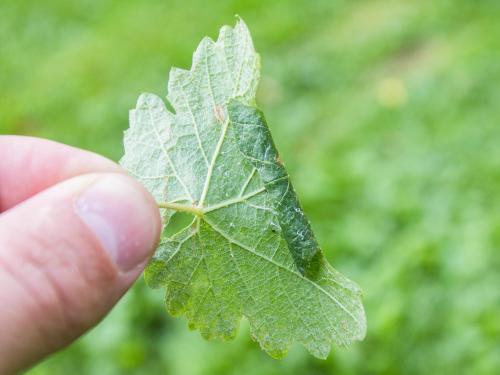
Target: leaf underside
249, 250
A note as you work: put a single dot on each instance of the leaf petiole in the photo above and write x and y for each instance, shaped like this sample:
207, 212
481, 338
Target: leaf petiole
181, 207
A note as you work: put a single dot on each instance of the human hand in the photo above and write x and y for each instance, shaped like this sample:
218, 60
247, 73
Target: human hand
75, 232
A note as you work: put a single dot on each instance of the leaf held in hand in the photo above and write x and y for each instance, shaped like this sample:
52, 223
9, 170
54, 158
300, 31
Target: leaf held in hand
249, 250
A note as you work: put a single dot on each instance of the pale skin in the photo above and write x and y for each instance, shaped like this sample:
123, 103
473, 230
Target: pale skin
75, 233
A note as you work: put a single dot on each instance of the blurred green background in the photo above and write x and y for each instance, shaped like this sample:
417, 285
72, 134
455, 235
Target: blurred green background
387, 115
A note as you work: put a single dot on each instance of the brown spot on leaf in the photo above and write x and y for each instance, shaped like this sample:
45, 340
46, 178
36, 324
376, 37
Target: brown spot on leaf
278, 160
219, 114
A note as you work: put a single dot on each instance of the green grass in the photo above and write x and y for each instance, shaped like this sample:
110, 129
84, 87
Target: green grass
387, 115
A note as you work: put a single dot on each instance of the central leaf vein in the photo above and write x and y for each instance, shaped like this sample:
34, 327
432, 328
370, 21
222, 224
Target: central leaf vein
212, 163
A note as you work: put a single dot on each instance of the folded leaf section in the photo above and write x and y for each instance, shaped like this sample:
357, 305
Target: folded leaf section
256, 144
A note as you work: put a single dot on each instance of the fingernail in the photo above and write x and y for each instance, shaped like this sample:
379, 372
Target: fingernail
122, 217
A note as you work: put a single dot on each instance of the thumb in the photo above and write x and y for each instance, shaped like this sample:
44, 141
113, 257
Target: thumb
66, 257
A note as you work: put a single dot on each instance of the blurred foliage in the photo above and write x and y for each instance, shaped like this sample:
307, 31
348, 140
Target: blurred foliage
386, 112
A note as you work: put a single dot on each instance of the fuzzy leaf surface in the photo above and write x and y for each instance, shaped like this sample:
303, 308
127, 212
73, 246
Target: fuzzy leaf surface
249, 250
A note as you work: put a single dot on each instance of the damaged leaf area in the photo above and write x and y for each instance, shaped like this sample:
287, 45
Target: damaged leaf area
249, 250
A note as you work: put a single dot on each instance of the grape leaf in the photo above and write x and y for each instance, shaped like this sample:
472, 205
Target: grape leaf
249, 250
